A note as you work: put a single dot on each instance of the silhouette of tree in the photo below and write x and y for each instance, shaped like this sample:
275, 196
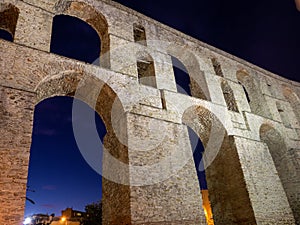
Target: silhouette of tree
29, 199
93, 214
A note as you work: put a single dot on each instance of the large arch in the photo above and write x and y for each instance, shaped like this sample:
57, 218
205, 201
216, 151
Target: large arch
57, 174
102, 98
92, 17
225, 181
285, 165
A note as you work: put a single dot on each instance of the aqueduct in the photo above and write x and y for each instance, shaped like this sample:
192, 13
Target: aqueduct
246, 117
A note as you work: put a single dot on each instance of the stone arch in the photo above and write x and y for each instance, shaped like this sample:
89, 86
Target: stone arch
92, 17
293, 99
255, 98
103, 99
198, 84
284, 164
8, 18
146, 69
73, 38
229, 96
223, 169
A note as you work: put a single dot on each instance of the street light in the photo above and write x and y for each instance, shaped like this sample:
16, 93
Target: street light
27, 221
64, 220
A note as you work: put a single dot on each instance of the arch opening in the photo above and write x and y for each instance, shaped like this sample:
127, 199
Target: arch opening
139, 34
189, 77
58, 173
182, 77
246, 93
74, 38
102, 98
217, 67
226, 185
229, 96
92, 17
253, 94
284, 164
198, 149
8, 21
146, 69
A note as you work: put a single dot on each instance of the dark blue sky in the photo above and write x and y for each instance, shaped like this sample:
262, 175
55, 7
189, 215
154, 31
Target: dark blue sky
58, 174
263, 32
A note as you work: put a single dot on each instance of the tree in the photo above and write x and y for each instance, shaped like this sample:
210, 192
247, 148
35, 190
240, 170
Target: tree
93, 214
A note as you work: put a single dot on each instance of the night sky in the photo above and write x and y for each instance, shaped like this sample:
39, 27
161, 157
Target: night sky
58, 173
263, 32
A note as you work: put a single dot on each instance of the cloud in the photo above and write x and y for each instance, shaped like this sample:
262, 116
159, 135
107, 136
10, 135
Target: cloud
48, 206
49, 187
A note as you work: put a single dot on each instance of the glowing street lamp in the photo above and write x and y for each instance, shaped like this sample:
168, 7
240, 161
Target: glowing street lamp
64, 220
27, 221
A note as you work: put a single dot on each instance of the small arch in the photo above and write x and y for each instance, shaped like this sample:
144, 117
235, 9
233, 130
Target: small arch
8, 20
229, 96
74, 38
217, 67
284, 164
220, 158
187, 67
254, 96
139, 34
146, 69
182, 77
92, 17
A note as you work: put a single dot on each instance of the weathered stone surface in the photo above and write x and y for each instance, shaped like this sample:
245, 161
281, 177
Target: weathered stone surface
247, 118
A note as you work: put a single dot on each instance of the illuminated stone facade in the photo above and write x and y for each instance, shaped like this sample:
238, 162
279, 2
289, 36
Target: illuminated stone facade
246, 117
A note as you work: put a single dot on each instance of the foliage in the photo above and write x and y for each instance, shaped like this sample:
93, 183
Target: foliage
29, 199
93, 214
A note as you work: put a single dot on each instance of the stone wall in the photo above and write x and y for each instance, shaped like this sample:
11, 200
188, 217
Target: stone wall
149, 175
